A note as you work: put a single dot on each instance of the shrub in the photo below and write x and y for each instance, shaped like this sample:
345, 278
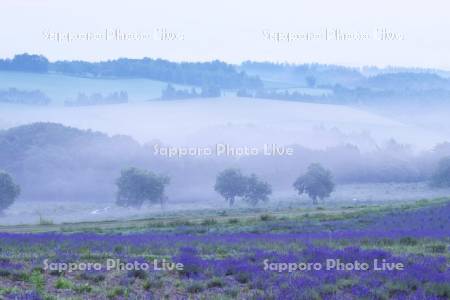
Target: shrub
82, 288
437, 248
215, 282
195, 288
116, 292
141, 274
266, 217
63, 283
408, 241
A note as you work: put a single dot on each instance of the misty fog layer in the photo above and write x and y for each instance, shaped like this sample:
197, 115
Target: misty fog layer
58, 163
236, 121
67, 158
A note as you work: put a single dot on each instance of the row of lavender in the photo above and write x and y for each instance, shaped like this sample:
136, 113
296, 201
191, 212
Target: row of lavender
288, 265
258, 274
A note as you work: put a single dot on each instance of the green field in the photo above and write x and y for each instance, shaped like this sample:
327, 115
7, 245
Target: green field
60, 87
251, 219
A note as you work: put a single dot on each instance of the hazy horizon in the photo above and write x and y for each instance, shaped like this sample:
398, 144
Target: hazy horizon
234, 31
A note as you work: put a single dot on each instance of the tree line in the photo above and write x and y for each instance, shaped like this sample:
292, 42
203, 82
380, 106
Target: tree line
16, 96
214, 73
171, 93
136, 186
98, 99
339, 94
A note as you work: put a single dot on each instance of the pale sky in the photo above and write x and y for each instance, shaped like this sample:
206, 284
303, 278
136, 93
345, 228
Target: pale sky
233, 30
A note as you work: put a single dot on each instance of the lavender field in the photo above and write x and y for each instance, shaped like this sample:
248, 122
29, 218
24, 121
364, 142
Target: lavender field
200, 150
348, 252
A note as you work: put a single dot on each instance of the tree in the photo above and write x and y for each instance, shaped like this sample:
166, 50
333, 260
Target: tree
317, 183
169, 92
210, 91
256, 190
9, 191
310, 81
230, 183
243, 93
30, 63
441, 176
136, 186
32, 97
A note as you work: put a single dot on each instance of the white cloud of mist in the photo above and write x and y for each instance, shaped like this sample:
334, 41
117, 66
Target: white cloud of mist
236, 121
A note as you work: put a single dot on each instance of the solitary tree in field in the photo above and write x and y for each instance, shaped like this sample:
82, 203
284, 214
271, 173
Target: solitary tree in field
256, 190
317, 182
136, 186
9, 191
441, 176
230, 183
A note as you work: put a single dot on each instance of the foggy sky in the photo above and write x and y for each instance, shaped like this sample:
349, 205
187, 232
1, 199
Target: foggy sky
232, 30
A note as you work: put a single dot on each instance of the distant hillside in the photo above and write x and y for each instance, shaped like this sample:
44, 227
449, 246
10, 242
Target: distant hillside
147, 79
319, 75
54, 162
215, 73
61, 88
411, 81
344, 85
304, 75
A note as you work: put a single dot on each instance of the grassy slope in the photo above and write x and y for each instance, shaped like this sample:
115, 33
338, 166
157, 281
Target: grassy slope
246, 220
60, 87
